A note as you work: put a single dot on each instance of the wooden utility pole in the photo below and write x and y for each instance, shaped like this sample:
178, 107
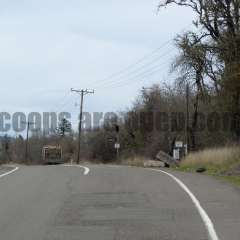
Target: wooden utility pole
27, 139
187, 116
117, 144
82, 94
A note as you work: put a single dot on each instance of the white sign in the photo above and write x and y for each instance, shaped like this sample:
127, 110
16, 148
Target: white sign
176, 154
117, 145
179, 144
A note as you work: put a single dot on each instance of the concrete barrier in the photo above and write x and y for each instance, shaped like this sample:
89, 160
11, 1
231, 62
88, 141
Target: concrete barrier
167, 159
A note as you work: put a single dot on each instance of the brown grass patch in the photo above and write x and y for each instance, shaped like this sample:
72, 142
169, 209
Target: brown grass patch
216, 158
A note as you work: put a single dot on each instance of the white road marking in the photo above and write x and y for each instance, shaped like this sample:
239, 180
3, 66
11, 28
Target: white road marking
7, 173
206, 219
86, 169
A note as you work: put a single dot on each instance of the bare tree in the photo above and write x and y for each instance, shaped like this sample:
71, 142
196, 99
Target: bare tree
219, 34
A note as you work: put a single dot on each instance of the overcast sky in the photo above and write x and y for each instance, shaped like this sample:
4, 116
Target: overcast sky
49, 46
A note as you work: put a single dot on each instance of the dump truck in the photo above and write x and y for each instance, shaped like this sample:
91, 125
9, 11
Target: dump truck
52, 155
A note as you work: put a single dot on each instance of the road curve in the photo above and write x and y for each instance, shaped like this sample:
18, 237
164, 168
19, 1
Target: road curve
113, 203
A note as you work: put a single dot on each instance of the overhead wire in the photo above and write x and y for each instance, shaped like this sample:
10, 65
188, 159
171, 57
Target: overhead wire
146, 73
139, 61
137, 70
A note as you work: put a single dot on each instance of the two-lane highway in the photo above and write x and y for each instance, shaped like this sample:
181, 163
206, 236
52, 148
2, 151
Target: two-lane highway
113, 202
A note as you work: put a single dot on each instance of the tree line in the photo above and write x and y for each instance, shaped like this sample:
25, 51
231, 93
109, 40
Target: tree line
208, 66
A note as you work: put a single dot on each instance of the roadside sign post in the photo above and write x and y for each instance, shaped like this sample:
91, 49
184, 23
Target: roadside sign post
117, 146
179, 144
180, 150
176, 154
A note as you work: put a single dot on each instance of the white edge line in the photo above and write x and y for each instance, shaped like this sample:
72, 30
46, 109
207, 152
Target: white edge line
7, 173
86, 169
206, 219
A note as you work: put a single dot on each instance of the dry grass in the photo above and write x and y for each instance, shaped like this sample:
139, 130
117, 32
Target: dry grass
134, 161
219, 159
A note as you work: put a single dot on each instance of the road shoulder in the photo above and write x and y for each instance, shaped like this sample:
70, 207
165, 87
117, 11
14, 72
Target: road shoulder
5, 169
219, 198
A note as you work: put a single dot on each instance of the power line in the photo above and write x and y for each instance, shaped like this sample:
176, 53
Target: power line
123, 73
65, 100
137, 77
133, 64
64, 106
138, 61
141, 68
141, 79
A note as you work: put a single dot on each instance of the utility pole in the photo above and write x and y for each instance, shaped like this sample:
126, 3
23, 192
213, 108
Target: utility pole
187, 116
82, 94
27, 139
117, 144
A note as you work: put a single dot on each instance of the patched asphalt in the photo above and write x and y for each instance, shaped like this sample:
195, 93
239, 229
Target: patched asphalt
112, 202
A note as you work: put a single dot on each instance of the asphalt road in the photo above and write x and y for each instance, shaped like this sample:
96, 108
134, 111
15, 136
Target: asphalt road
113, 203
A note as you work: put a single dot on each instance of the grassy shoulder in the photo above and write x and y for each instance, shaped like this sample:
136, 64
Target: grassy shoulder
135, 161
223, 163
